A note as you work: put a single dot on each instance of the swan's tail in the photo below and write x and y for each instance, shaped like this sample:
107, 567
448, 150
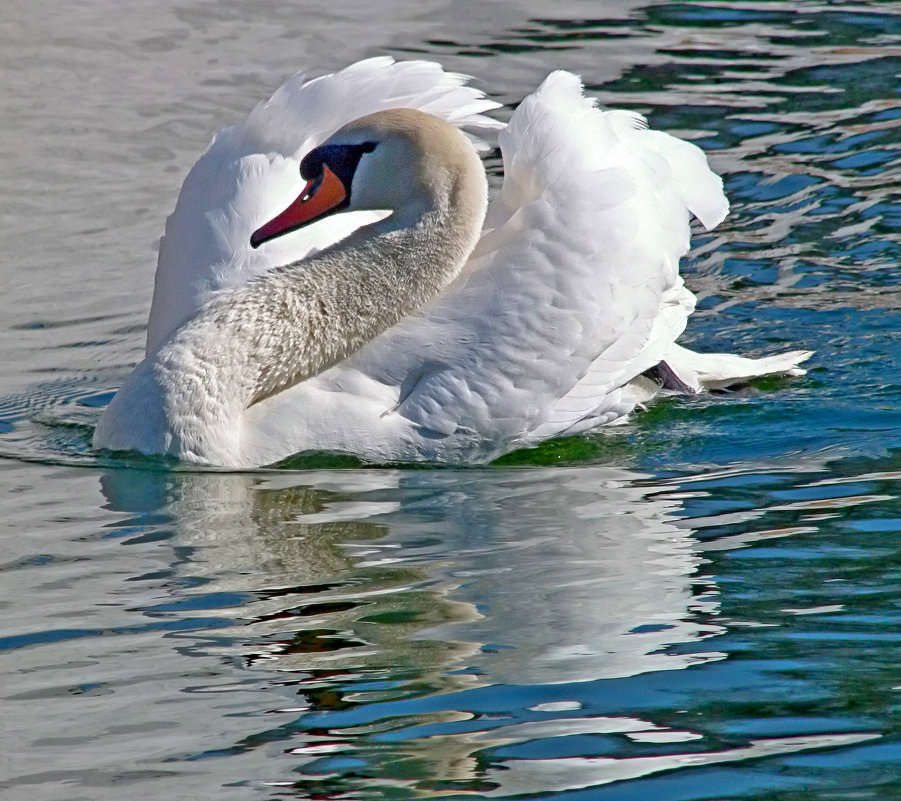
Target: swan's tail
699, 371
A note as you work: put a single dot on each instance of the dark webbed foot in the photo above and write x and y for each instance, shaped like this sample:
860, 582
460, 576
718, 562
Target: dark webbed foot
666, 377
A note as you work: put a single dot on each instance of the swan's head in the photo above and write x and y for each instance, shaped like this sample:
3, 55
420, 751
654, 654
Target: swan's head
400, 160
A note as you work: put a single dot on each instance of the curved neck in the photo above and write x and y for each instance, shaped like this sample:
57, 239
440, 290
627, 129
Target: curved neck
327, 307
300, 319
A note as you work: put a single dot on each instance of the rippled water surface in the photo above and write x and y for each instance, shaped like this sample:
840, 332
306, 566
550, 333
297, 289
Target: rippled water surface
702, 604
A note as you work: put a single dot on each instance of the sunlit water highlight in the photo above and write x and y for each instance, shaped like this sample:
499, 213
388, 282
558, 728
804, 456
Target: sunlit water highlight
699, 605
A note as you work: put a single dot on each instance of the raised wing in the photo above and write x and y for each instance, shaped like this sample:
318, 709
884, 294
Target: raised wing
250, 172
573, 289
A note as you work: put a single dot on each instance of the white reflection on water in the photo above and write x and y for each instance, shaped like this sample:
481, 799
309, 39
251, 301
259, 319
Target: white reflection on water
282, 620
533, 775
514, 577
540, 576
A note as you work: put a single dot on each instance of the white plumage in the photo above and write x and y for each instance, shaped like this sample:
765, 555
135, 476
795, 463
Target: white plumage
571, 294
250, 169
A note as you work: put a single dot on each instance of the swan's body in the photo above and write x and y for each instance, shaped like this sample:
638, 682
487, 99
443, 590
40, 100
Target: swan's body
421, 335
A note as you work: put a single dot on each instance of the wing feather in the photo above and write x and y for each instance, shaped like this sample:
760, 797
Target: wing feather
573, 289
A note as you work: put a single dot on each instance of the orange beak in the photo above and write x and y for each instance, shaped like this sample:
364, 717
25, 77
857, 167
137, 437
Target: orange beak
319, 197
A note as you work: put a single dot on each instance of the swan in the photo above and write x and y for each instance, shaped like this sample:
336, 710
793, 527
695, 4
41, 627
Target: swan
334, 278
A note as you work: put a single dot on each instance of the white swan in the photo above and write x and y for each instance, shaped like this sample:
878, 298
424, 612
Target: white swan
402, 328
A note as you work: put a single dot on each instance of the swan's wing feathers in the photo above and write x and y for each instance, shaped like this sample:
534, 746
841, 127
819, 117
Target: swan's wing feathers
250, 173
700, 188
574, 288
300, 114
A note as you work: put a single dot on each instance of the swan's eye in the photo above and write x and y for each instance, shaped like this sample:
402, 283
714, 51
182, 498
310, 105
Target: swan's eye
313, 187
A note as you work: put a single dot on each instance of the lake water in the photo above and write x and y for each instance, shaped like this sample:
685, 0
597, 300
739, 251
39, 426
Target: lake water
702, 604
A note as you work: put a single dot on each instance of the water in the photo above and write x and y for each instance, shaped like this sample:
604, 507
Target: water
700, 605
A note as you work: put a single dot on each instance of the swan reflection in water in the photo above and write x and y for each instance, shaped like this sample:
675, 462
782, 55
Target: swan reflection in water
391, 602
538, 576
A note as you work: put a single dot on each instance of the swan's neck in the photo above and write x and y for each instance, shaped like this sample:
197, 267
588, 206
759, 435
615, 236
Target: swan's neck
301, 318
